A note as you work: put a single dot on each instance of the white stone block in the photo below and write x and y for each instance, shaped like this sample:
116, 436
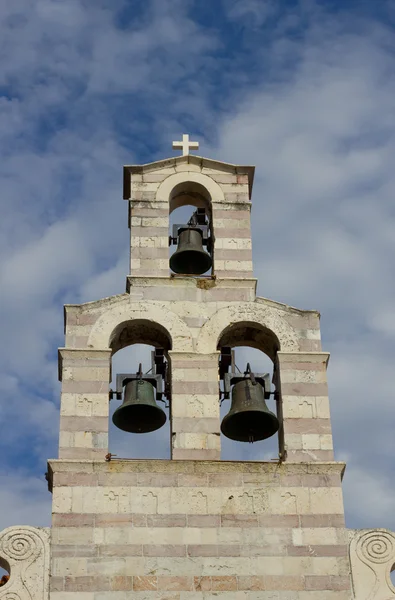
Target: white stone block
153, 263
322, 403
190, 440
326, 441
233, 243
66, 439
83, 439
313, 334
238, 265
197, 405
303, 376
314, 536
299, 407
69, 567
311, 441
144, 186
155, 221
187, 167
326, 500
195, 374
231, 223
61, 500
293, 441
73, 535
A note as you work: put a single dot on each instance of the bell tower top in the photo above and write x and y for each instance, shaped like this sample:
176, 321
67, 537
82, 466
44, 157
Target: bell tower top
215, 242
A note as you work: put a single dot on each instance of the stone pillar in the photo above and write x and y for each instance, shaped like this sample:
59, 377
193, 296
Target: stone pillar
149, 229
232, 229
305, 406
84, 410
195, 423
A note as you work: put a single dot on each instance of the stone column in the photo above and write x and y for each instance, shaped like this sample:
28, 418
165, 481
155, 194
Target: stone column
195, 418
305, 406
232, 229
149, 229
84, 411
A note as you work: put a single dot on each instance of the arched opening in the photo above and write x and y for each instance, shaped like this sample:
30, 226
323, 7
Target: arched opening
139, 331
147, 343
190, 205
254, 335
189, 193
5, 572
255, 345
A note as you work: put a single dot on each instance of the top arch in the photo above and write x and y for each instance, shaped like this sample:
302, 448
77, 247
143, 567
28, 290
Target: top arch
250, 313
205, 187
106, 327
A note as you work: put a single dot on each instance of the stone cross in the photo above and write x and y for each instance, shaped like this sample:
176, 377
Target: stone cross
185, 145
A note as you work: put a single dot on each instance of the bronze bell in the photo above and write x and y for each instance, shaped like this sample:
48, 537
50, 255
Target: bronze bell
249, 419
190, 258
139, 412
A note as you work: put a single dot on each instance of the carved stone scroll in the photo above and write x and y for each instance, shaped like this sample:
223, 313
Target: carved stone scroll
25, 550
372, 558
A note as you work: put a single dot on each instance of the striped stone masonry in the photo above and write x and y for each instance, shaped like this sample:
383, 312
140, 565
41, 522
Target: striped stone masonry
232, 232
155, 190
149, 246
305, 406
198, 529
195, 419
84, 403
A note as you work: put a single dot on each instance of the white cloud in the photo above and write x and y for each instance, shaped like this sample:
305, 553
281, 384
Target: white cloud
24, 500
63, 233
323, 231
252, 13
368, 498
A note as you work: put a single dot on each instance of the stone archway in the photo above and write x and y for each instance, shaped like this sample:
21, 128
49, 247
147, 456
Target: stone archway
165, 190
103, 330
265, 317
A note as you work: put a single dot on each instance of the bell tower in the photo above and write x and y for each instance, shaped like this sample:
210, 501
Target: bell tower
195, 527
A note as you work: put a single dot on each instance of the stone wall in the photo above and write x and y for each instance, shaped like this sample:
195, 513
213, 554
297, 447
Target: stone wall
198, 529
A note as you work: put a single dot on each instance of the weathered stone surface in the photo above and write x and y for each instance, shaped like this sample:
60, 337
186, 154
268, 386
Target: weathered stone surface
372, 558
25, 552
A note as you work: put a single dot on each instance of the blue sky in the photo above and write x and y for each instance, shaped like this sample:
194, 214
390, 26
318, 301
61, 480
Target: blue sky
303, 90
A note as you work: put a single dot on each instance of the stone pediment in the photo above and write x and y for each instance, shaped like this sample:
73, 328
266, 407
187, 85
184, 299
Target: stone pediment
190, 162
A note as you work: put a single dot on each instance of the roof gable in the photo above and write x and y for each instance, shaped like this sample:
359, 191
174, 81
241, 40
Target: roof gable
192, 159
